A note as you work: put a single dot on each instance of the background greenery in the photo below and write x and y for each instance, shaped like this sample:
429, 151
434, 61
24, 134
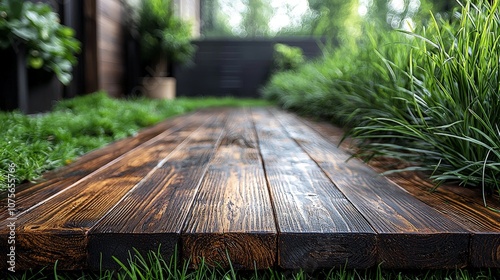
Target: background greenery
429, 96
76, 126
163, 35
340, 20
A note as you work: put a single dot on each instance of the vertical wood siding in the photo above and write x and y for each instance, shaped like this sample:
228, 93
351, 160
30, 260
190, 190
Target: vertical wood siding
110, 46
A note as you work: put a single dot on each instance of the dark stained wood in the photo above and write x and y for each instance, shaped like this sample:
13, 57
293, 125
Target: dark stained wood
90, 46
464, 210
318, 226
461, 205
151, 217
232, 214
81, 206
259, 187
410, 233
110, 46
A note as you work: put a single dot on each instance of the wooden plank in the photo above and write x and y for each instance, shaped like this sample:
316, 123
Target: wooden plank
151, 217
319, 227
70, 214
464, 210
232, 215
462, 205
410, 233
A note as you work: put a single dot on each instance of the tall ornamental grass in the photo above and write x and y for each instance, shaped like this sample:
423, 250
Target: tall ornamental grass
429, 97
453, 102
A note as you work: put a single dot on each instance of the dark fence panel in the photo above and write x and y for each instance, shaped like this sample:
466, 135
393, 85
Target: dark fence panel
234, 67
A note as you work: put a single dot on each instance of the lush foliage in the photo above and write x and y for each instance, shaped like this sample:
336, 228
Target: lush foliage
162, 34
287, 57
39, 143
429, 97
48, 43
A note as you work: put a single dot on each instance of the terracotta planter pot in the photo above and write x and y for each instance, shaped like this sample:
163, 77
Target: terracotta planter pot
159, 87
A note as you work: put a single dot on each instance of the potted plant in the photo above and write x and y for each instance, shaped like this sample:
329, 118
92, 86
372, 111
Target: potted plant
164, 39
33, 32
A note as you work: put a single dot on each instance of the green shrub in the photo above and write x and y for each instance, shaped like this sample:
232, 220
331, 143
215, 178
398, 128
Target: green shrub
287, 57
429, 97
453, 130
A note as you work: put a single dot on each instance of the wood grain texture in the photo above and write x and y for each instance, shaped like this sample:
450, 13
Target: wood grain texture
258, 187
30, 194
81, 206
152, 216
232, 215
410, 233
464, 210
318, 226
461, 205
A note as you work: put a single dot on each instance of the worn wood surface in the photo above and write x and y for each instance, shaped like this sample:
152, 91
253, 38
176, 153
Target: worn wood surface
318, 226
232, 217
462, 205
60, 223
260, 187
410, 234
152, 215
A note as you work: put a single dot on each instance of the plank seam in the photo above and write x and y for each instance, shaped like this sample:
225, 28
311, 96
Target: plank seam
273, 113
196, 193
153, 170
268, 186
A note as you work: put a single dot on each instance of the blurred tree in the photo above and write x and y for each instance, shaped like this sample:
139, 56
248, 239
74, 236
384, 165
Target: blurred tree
256, 18
336, 19
214, 22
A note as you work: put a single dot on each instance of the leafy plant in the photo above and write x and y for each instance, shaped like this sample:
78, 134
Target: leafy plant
164, 37
49, 44
287, 57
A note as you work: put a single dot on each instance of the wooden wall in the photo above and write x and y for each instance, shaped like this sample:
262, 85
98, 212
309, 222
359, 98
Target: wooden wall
104, 47
110, 46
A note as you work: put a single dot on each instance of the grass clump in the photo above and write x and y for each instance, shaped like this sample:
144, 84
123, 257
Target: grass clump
155, 266
429, 97
43, 142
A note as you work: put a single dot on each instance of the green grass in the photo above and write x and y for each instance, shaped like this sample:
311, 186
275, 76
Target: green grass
154, 266
39, 143
429, 97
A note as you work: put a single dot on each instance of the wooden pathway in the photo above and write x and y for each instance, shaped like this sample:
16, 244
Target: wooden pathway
259, 186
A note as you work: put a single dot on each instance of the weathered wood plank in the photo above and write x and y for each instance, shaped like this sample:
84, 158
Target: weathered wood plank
78, 208
232, 214
464, 210
151, 217
318, 226
462, 205
30, 194
410, 233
